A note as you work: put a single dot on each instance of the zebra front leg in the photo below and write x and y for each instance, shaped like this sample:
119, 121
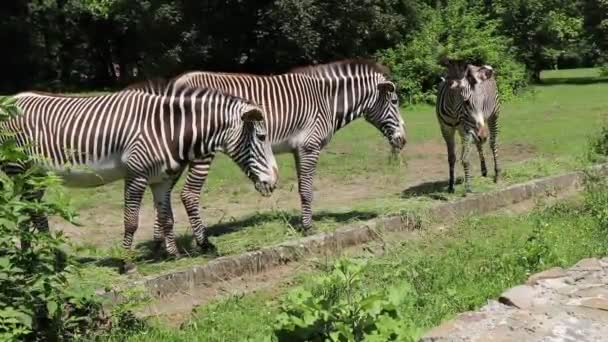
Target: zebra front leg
306, 165
493, 123
448, 136
482, 159
161, 192
466, 165
191, 193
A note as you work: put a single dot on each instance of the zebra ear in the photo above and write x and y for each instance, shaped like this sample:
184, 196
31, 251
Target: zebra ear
485, 73
386, 86
252, 114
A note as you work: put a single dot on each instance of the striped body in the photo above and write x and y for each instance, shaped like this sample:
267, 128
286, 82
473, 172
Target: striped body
141, 137
304, 108
468, 102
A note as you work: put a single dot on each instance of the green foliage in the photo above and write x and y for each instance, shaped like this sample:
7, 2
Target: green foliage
598, 146
596, 198
337, 307
458, 31
604, 70
542, 30
595, 13
35, 302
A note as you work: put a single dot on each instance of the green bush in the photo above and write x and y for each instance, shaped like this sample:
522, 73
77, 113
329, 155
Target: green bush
604, 70
337, 307
598, 146
457, 31
596, 198
35, 301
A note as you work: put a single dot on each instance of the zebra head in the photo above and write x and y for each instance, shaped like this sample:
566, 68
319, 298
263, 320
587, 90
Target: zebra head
469, 82
384, 114
251, 150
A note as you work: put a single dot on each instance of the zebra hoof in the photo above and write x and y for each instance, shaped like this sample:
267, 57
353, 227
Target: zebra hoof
208, 248
484, 173
307, 231
450, 190
127, 267
173, 256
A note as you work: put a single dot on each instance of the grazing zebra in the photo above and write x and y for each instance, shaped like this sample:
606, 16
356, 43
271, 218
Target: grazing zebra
304, 108
143, 137
468, 102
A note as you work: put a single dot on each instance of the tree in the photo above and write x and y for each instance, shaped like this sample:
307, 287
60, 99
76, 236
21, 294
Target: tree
596, 25
542, 30
458, 31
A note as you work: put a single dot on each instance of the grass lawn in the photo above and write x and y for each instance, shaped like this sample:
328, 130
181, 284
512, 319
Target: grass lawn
543, 132
447, 272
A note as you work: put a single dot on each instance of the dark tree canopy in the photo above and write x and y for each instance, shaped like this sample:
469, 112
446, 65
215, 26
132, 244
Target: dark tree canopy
80, 44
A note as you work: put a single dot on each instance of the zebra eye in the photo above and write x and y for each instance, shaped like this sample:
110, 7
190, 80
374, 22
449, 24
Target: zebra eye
261, 136
395, 101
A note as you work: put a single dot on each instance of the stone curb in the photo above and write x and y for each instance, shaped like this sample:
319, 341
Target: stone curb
224, 268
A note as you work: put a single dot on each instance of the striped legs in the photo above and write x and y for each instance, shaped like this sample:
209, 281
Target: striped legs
306, 165
159, 236
467, 139
135, 186
197, 174
482, 159
448, 136
493, 123
161, 192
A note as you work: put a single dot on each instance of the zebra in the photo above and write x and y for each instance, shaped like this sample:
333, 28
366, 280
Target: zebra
468, 101
144, 137
304, 108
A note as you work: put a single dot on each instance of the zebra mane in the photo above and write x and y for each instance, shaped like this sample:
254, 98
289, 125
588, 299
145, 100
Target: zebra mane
161, 86
156, 86
347, 63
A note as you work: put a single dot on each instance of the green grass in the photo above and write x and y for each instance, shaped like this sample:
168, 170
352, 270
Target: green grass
450, 271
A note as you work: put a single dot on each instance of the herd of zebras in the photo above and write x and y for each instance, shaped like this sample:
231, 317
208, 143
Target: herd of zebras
149, 133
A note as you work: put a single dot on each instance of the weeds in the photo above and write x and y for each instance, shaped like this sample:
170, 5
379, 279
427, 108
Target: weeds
338, 307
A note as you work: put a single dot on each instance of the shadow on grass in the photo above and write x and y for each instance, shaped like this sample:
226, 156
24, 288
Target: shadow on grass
147, 253
573, 81
289, 219
436, 190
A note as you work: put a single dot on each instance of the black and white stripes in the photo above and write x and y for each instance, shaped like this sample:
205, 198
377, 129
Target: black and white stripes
468, 102
145, 135
303, 109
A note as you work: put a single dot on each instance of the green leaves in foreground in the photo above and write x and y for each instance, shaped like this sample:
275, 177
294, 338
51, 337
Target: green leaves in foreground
337, 307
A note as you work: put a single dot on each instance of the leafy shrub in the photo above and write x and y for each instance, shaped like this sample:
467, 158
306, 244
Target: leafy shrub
604, 70
457, 31
337, 307
596, 198
35, 301
598, 146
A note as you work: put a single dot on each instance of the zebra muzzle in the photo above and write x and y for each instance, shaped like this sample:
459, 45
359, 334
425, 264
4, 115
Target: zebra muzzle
482, 133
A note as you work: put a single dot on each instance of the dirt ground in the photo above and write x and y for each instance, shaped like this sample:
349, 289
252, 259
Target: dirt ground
426, 162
